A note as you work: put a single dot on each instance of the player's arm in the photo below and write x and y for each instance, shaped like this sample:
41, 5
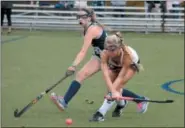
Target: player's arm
89, 36
105, 70
119, 82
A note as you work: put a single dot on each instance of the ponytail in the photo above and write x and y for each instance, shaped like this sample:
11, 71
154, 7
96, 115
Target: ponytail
120, 37
120, 40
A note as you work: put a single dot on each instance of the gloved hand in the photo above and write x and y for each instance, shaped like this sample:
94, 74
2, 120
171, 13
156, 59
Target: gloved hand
70, 71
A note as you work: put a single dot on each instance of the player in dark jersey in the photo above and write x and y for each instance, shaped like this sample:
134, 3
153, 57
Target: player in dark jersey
94, 35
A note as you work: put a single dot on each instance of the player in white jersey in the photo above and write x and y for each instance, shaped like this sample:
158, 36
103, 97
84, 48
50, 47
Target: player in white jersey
119, 63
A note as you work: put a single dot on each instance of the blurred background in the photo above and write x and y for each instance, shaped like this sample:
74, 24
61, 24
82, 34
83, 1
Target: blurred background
123, 15
44, 37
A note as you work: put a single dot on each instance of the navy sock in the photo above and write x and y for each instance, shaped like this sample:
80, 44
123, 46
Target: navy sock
128, 93
72, 90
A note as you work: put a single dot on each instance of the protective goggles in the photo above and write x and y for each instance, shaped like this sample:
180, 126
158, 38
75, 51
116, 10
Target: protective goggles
111, 48
85, 16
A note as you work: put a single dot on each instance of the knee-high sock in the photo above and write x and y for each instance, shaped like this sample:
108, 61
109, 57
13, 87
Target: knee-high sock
106, 106
121, 103
72, 90
128, 93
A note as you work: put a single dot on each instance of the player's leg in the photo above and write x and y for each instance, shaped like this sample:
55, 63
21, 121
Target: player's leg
90, 68
2, 16
123, 103
107, 104
8, 15
142, 106
105, 107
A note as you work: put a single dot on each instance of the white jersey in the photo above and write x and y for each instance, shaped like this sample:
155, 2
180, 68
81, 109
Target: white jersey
116, 64
134, 55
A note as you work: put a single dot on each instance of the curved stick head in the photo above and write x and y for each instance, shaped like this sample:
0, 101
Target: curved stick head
169, 101
16, 113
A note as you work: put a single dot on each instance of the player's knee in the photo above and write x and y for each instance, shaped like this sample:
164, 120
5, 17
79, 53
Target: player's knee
81, 75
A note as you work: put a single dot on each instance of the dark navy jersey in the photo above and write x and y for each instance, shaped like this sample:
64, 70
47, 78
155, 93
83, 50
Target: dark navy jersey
98, 44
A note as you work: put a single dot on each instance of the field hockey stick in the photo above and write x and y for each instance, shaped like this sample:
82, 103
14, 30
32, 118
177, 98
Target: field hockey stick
141, 100
18, 113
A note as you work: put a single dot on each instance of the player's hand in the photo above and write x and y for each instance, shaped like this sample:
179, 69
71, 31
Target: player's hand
116, 95
70, 71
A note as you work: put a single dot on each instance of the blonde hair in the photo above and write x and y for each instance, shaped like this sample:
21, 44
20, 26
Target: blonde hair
114, 40
90, 12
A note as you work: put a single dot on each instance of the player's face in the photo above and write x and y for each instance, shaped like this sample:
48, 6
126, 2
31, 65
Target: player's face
112, 50
83, 18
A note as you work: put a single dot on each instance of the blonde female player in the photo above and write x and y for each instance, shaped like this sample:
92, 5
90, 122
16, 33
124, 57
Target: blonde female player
119, 63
